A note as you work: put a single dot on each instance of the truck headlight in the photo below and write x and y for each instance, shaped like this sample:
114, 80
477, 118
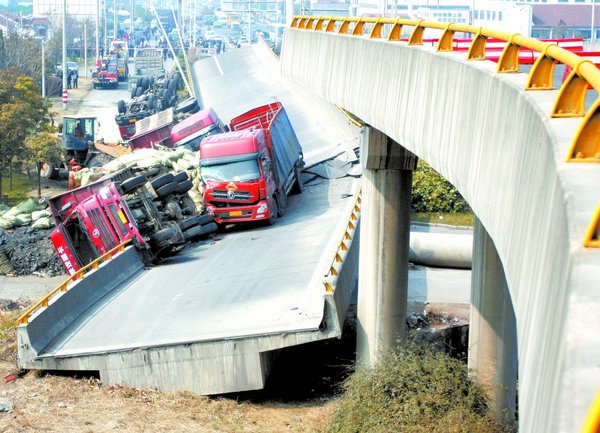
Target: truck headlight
262, 209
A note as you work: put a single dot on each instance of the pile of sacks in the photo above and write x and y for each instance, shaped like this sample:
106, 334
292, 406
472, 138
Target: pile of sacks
25, 213
152, 163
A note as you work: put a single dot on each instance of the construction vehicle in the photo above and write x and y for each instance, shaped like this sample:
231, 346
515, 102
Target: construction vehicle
119, 51
106, 75
248, 172
158, 216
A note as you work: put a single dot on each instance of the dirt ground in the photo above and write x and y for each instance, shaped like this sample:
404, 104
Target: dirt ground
40, 402
64, 404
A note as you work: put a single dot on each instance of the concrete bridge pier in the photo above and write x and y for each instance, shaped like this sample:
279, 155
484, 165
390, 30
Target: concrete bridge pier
493, 356
384, 245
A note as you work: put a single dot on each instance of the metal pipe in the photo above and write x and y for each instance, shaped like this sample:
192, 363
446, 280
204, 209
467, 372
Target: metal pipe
97, 30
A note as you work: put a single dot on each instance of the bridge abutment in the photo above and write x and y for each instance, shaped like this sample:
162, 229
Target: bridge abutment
384, 245
493, 354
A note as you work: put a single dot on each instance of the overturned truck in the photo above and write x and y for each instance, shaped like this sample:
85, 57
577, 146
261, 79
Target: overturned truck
157, 215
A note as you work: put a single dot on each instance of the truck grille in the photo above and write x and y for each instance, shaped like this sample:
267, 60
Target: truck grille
100, 224
221, 194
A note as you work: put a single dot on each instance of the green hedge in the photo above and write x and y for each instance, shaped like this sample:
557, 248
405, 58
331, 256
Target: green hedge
415, 390
432, 193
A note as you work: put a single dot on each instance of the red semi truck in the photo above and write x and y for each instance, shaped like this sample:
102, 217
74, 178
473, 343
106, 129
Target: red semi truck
156, 215
248, 172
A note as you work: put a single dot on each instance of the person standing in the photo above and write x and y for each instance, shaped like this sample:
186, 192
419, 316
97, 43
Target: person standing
69, 77
75, 78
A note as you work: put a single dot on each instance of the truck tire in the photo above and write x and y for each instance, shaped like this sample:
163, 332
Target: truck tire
138, 91
274, 212
162, 235
133, 90
162, 180
49, 171
182, 176
172, 85
167, 189
187, 106
133, 183
198, 231
184, 186
121, 106
198, 220
298, 186
151, 101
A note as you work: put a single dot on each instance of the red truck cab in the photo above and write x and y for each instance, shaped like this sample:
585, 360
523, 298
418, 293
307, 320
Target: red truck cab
191, 131
248, 172
238, 181
89, 223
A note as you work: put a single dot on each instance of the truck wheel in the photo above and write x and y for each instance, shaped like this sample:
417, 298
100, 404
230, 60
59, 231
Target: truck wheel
172, 85
198, 231
198, 220
151, 100
49, 171
162, 180
133, 183
162, 235
121, 106
138, 91
133, 90
274, 212
184, 186
298, 186
167, 189
188, 105
182, 176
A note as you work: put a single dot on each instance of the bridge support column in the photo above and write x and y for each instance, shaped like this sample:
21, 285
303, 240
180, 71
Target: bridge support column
493, 353
384, 245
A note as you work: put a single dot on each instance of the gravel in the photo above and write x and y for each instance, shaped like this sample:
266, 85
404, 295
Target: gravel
31, 252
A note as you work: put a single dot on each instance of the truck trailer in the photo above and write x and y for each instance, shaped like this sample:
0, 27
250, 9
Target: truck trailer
247, 173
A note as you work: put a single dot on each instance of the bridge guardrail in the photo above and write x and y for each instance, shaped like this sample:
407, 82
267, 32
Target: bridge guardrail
570, 101
330, 279
63, 287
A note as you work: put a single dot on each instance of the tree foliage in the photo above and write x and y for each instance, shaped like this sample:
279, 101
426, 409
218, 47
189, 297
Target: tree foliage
42, 147
22, 113
432, 193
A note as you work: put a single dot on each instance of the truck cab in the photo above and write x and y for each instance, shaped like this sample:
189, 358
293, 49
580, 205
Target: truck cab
190, 132
236, 171
78, 136
91, 226
248, 172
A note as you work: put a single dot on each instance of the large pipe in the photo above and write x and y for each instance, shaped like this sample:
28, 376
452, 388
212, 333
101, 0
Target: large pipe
445, 250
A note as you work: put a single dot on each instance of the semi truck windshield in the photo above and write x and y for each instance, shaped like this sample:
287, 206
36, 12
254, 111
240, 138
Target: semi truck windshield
240, 171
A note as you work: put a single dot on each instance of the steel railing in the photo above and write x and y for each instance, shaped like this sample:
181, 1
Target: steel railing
64, 286
331, 277
569, 102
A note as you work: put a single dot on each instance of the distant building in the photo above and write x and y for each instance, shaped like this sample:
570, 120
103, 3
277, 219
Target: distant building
79, 9
565, 21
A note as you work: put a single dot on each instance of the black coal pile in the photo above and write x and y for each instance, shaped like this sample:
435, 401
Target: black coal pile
26, 251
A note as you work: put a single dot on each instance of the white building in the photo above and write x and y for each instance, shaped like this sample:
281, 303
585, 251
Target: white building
80, 9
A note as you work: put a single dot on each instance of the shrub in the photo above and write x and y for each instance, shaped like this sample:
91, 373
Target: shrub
432, 193
414, 390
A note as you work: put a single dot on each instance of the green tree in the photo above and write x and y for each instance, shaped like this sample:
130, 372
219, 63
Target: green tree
22, 113
42, 147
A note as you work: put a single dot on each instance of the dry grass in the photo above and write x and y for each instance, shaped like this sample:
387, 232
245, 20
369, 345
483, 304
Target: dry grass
64, 404
52, 403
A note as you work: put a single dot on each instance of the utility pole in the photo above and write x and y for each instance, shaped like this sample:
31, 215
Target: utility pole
593, 34
65, 93
85, 46
97, 30
115, 19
